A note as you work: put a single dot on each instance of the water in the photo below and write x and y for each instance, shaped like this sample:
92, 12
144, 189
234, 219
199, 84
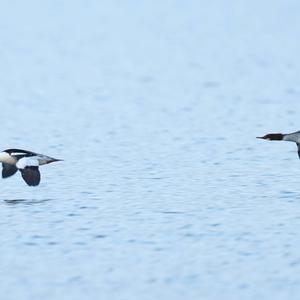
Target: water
164, 191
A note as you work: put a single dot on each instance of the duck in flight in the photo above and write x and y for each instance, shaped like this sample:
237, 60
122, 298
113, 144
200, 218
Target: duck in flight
26, 162
289, 137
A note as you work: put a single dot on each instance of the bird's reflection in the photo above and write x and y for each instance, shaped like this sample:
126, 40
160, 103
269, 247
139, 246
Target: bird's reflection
26, 201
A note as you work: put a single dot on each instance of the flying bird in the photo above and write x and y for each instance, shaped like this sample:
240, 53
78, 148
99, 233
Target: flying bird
289, 137
26, 162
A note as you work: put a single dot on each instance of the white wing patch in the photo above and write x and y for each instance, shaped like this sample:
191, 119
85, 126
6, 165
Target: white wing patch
27, 162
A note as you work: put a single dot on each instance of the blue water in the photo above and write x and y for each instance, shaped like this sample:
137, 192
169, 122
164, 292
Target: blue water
154, 105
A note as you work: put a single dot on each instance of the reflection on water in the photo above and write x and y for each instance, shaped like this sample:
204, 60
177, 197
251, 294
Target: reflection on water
25, 201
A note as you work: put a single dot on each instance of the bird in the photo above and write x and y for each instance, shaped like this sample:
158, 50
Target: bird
288, 137
27, 162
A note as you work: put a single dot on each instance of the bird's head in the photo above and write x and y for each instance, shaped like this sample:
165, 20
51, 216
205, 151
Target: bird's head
272, 137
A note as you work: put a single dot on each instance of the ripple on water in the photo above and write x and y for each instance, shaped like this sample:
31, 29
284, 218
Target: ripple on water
289, 196
100, 236
170, 212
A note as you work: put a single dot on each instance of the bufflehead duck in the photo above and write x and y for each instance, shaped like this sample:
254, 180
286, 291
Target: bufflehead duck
26, 162
289, 137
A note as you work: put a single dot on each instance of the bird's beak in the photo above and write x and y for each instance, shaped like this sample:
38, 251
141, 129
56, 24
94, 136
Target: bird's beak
56, 159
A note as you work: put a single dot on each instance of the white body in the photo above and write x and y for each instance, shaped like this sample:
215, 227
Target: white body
8, 159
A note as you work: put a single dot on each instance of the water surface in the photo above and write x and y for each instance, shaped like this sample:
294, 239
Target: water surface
164, 191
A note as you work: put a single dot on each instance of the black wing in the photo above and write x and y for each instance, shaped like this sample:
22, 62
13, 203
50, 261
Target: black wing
8, 170
298, 145
31, 175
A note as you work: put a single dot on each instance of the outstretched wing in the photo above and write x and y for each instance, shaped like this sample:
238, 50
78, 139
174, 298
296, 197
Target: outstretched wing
29, 168
31, 175
8, 170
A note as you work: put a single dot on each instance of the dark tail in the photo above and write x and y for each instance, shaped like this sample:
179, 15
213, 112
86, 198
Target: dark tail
272, 137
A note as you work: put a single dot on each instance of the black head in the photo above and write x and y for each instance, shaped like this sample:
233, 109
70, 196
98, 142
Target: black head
272, 137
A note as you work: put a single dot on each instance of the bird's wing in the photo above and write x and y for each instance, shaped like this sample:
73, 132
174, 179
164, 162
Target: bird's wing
298, 145
8, 170
31, 175
29, 168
